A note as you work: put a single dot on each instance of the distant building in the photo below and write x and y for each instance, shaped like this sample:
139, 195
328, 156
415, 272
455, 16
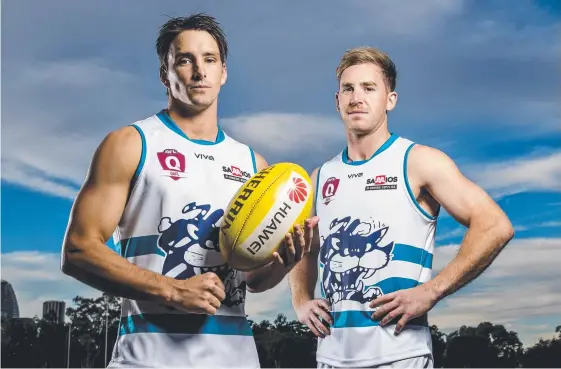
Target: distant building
54, 309
10, 307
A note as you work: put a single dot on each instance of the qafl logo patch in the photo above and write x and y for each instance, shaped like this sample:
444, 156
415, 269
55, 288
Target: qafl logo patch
329, 189
173, 163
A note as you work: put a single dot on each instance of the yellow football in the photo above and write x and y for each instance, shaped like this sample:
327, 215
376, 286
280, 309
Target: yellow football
263, 211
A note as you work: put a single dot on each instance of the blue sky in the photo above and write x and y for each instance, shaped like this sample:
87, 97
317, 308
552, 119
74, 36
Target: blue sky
477, 80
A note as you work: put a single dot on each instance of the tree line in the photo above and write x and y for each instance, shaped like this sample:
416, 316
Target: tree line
43, 343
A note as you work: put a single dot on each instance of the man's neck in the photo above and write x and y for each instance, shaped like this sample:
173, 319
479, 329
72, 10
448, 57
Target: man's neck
201, 125
362, 147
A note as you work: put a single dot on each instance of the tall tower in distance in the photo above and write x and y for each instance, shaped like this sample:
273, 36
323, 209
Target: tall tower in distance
10, 308
54, 310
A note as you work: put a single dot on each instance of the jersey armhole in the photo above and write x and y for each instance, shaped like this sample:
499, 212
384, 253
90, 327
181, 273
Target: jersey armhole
317, 189
412, 198
140, 165
253, 160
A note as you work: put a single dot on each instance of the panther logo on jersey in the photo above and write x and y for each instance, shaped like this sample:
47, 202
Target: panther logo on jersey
351, 255
191, 248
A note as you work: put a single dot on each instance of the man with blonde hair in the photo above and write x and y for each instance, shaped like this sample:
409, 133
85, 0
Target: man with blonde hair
378, 201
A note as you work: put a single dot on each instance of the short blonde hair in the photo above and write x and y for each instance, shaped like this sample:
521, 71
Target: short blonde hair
361, 55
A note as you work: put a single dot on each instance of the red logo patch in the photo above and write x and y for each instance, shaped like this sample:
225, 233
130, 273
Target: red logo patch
380, 179
298, 192
329, 189
173, 162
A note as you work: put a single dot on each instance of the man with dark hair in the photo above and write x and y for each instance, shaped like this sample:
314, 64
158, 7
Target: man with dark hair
161, 186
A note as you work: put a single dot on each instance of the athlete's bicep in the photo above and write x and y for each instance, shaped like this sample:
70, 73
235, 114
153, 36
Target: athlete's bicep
440, 177
102, 198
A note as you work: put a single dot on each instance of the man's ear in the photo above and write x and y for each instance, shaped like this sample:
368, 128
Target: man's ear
392, 101
163, 77
224, 74
337, 102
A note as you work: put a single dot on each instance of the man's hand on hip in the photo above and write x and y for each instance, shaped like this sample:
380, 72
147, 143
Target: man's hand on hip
407, 304
309, 313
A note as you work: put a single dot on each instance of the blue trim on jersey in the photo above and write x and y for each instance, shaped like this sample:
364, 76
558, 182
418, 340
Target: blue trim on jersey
317, 186
113, 246
380, 150
253, 160
363, 318
142, 155
427, 215
412, 254
166, 119
138, 246
186, 324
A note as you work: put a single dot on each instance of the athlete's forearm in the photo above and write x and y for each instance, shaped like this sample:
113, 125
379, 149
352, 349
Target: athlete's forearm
481, 245
302, 279
92, 263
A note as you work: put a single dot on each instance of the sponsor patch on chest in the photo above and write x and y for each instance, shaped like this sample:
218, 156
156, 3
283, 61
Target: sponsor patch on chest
235, 173
381, 182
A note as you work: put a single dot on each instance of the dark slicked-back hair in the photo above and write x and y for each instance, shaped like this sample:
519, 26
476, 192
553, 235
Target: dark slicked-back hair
199, 22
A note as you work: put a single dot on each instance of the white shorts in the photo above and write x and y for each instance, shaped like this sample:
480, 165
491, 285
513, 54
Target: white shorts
424, 361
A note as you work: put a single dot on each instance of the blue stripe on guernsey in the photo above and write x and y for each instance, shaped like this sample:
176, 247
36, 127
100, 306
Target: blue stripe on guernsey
142, 155
393, 284
166, 119
138, 246
382, 148
427, 215
412, 254
185, 324
363, 318
253, 160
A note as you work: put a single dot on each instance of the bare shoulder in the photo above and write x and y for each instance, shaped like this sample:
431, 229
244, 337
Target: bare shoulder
260, 162
426, 164
101, 200
314, 176
118, 154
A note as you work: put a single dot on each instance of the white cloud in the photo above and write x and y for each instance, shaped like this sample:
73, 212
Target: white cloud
76, 103
450, 234
552, 224
35, 179
36, 277
416, 20
519, 286
519, 175
285, 136
266, 305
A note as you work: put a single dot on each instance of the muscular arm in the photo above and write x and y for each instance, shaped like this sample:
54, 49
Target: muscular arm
95, 215
303, 277
489, 229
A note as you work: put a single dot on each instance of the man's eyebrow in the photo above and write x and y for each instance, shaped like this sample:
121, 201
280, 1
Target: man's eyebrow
369, 83
186, 54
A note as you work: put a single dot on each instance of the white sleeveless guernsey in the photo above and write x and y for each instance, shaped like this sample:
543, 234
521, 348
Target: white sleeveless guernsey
170, 226
375, 239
